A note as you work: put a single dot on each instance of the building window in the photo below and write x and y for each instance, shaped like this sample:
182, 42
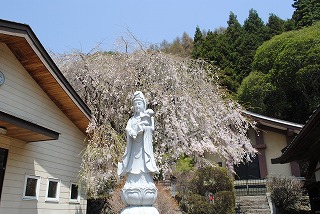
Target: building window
248, 170
53, 190
3, 163
31, 187
74, 193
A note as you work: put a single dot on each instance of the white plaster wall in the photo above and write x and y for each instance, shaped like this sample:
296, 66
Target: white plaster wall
214, 159
275, 142
252, 136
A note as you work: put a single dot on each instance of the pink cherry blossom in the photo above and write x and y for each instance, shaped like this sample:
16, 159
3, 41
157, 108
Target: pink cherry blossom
193, 114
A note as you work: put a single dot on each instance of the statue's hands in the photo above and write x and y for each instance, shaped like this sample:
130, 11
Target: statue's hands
133, 134
141, 127
145, 127
143, 123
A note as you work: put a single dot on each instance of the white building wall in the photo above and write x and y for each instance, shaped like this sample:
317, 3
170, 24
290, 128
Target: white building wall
275, 142
22, 97
215, 159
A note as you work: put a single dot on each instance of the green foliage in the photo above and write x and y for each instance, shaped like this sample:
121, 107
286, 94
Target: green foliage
290, 87
212, 179
275, 25
234, 30
228, 78
194, 188
254, 90
254, 24
198, 41
233, 49
253, 36
289, 25
285, 191
219, 48
214, 48
307, 12
184, 164
224, 202
196, 204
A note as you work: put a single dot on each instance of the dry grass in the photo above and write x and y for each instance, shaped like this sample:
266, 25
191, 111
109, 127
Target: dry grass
165, 203
116, 204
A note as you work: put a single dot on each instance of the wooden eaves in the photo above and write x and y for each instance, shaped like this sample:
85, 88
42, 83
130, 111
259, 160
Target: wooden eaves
306, 145
264, 122
26, 47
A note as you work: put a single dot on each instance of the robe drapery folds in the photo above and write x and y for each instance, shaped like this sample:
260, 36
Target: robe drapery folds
138, 157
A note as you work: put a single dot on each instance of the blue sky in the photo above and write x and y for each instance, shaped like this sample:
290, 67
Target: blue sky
65, 25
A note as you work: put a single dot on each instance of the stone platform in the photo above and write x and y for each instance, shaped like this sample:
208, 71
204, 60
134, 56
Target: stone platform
140, 210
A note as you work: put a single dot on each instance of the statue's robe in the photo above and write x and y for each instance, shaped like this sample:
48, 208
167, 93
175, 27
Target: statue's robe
138, 157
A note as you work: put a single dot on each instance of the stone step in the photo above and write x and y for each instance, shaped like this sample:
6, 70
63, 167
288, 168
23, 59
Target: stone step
253, 201
255, 211
258, 212
251, 198
253, 204
249, 204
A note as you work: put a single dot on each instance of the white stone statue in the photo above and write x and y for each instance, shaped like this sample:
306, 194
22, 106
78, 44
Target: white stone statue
138, 163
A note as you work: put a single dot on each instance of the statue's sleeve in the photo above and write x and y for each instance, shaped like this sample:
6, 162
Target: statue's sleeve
129, 130
128, 127
152, 124
148, 148
122, 167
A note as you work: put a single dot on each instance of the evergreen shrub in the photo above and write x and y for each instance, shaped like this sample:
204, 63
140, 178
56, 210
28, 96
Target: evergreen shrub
194, 189
224, 202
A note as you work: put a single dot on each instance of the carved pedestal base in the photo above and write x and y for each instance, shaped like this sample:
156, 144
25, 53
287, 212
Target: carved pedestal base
139, 190
140, 193
140, 210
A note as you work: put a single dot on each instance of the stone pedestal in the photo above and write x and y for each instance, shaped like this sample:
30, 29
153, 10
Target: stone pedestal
139, 190
140, 210
140, 193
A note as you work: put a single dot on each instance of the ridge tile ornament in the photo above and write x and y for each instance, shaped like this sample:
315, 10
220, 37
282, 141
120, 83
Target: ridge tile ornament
138, 164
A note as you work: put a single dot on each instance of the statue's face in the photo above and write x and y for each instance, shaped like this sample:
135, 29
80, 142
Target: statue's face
138, 106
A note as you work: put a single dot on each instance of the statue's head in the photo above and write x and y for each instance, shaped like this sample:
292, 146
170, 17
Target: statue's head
138, 102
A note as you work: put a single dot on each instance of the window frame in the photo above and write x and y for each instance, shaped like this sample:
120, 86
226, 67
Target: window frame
50, 199
3, 166
74, 201
37, 190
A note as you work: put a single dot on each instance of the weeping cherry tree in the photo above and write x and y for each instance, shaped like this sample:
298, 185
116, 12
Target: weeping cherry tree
193, 115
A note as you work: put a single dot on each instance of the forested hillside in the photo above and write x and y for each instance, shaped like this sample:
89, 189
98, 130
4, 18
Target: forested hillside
285, 81
273, 75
